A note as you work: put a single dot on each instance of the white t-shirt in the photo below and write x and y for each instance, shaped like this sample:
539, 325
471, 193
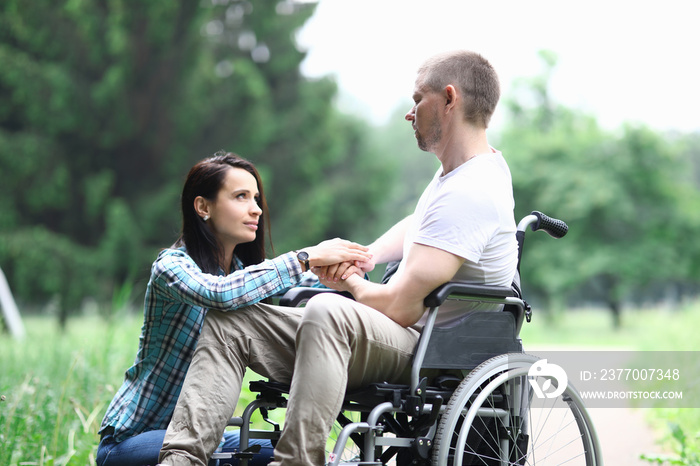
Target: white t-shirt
469, 213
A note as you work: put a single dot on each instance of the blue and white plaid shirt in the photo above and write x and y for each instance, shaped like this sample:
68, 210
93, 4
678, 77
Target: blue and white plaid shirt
177, 298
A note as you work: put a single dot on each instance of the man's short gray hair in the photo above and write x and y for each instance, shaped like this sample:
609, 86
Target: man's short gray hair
473, 77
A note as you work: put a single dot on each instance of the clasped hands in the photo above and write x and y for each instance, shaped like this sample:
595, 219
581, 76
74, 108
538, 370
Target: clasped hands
334, 261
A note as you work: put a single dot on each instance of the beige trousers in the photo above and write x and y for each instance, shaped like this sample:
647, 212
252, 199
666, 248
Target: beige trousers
332, 344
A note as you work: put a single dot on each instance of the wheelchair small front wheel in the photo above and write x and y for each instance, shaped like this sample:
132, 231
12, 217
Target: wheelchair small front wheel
494, 418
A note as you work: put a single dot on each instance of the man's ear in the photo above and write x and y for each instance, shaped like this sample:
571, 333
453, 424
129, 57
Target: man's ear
450, 97
201, 206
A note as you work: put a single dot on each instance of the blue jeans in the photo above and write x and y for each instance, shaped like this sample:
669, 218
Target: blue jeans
143, 449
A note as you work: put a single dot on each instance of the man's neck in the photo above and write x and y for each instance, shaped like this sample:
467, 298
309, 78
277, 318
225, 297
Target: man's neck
461, 147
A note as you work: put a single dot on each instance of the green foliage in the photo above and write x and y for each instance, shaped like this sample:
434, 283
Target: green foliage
346, 196
395, 141
652, 329
106, 106
45, 265
629, 198
688, 449
56, 386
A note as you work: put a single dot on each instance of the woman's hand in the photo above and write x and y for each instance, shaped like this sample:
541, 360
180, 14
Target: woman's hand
337, 251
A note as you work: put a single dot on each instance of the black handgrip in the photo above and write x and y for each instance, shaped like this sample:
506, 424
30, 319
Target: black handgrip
555, 227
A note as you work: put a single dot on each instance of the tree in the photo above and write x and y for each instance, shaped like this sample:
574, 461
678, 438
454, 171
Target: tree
108, 103
627, 198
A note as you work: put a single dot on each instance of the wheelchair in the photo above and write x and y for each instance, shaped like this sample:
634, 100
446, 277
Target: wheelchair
481, 404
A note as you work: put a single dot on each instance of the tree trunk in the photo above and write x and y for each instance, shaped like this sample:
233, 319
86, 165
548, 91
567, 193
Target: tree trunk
616, 310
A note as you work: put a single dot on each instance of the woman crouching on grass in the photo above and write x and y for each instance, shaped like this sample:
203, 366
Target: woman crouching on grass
217, 263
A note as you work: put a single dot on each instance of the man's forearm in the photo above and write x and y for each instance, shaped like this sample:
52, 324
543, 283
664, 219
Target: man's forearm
386, 299
389, 246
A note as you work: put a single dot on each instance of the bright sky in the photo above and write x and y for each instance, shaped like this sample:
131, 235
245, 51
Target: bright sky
620, 60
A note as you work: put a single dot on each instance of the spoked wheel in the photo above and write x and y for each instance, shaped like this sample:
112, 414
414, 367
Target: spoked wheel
494, 418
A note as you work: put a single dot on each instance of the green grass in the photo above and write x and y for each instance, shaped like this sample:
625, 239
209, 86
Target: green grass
656, 329
55, 387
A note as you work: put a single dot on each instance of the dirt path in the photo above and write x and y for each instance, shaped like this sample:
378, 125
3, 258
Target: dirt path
624, 434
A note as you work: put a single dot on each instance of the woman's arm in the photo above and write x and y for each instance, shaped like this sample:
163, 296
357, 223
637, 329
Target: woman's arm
178, 277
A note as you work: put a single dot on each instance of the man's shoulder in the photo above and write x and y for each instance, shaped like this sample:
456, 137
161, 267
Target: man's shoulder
488, 171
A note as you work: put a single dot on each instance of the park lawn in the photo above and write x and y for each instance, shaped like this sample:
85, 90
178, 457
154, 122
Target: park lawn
55, 386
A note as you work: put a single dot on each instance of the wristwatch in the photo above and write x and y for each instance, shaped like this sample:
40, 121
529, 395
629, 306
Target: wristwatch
303, 258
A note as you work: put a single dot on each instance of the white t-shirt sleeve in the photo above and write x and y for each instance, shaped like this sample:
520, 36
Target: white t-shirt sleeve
460, 219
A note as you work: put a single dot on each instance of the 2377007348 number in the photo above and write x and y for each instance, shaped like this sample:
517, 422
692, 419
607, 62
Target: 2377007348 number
640, 374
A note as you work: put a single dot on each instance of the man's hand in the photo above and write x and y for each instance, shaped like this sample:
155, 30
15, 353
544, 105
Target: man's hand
366, 266
337, 272
344, 284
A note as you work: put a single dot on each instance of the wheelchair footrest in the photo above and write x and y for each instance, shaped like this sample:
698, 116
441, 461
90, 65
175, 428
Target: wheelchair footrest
249, 453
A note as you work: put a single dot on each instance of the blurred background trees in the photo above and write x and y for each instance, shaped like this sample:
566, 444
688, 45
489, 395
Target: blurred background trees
631, 199
104, 105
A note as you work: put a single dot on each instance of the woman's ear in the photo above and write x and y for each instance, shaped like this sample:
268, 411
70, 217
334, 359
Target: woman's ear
201, 206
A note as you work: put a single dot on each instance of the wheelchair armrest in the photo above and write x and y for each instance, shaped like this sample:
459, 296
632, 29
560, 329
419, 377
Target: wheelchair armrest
299, 295
295, 297
466, 290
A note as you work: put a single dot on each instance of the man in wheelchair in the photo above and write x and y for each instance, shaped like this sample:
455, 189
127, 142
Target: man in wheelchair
462, 229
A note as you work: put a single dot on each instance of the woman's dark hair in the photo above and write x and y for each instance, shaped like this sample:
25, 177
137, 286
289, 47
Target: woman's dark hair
206, 179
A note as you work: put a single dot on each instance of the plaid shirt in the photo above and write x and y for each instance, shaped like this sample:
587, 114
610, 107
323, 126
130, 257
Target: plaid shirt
177, 298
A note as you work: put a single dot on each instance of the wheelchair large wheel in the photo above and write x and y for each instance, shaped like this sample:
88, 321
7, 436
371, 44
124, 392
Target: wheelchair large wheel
493, 418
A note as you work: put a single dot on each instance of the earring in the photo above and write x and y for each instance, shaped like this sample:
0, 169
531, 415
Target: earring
205, 218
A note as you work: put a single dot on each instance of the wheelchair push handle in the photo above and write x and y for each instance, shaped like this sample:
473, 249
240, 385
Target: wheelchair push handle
538, 221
